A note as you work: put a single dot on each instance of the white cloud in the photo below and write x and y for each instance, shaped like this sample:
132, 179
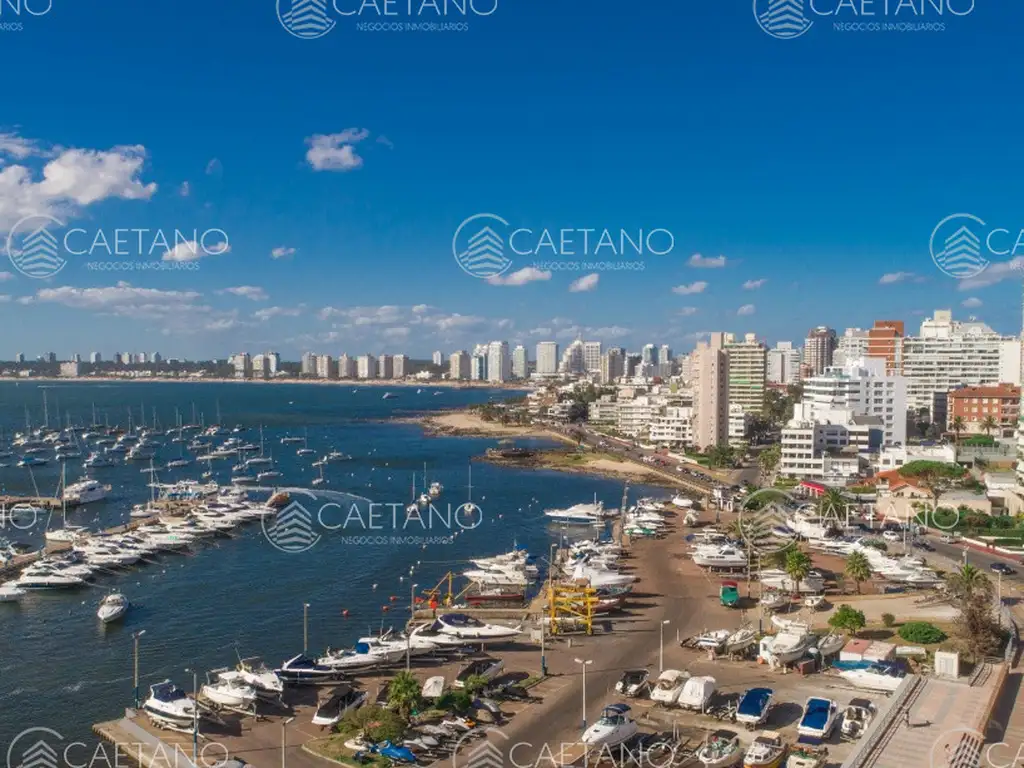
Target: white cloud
899, 277
419, 309
185, 189
251, 292
688, 311
522, 277
753, 285
994, 273
282, 252
608, 332
398, 332
189, 250
335, 151
5, 276
706, 262
122, 299
686, 290
971, 303
17, 147
385, 141
271, 312
72, 179
746, 309
585, 283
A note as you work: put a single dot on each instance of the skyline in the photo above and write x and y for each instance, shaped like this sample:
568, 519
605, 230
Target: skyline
339, 214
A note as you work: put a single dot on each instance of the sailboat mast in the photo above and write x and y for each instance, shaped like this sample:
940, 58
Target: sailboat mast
46, 411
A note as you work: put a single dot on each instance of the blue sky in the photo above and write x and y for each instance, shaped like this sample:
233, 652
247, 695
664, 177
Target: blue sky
816, 165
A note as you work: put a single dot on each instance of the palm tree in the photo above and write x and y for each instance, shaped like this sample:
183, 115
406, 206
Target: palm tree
967, 583
858, 568
768, 461
988, 424
832, 505
957, 425
404, 693
798, 566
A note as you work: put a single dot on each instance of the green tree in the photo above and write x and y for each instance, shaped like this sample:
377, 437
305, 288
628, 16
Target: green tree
888, 620
957, 425
769, 459
798, 566
858, 568
968, 583
475, 684
375, 723
720, 456
976, 625
832, 508
404, 693
847, 619
987, 424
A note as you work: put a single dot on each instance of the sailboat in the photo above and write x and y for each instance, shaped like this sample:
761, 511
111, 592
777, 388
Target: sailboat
305, 450
65, 534
320, 480
469, 507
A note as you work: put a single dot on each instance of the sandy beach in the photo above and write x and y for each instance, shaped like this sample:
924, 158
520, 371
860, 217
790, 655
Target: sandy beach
467, 423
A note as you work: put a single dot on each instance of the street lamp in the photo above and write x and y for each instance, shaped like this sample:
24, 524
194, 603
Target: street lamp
661, 645
135, 639
408, 635
195, 715
584, 663
305, 628
284, 738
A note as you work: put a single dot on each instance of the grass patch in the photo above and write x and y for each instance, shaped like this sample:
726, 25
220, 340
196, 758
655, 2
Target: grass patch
333, 748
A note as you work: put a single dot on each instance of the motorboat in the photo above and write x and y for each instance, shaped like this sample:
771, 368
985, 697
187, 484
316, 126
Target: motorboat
176, 463
11, 593
856, 718
774, 601
670, 684
85, 491
270, 474
96, 460
633, 682
740, 640
228, 691
754, 706
719, 556
814, 602
806, 753
140, 452
113, 607
32, 461
776, 579
332, 708
600, 578
880, 676
337, 456
818, 719
254, 673
304, 670
713, 639
69, 534
393, 649
831, 643
360, 657
168, 705
432, 632
468, 628
721, 749
768, 750
613, 727
435, 489
47, 578
697, 693
578, 514
486, 668
786, 646
433, 688
682, 502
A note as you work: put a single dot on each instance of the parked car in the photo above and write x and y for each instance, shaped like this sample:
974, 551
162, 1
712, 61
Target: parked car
948, 539
1002, 568
922, 544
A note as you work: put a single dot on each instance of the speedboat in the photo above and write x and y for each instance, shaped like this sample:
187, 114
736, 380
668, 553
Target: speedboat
880, 676
754, 706
682, 502
773, 601
69, 534
814, 602
40, 577
360, 657
11, 593
255, 674
435, 489
578, 514
228, 691
633, 682
768, 750
722, 749
713, 640
333, 707
601, 578
807, 754
613, 727
432, 632
468, 628
393, 649
670, 684
95, 460
270, 474
777, 579
486, 668
85, 491
32, 461
697, 693
302, 669
433, 688
168, 705
818, 719
857, 717
720, 556
113, 607
740, 640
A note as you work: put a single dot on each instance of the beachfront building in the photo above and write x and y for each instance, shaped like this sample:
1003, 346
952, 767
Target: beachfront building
992, 410
499, 362
748, 370
673, 428
459, 365
547, 358
520, 362
711, 392
347, 367
832, 447
438, 358
613, 365
573, 361
592, 356
366, 367
400, 366
325, 368
242, 363
949, 354
819, 349
385, 367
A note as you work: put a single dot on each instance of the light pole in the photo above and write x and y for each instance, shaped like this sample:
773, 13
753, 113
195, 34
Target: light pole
999, 598
661, 645
284, 738
195, 715
305, 628
584, 663
408, 636
135, 657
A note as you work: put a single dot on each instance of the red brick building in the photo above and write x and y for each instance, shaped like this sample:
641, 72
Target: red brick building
975, 404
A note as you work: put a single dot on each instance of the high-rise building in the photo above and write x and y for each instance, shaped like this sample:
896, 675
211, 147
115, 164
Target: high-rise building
478, 367
459, 365
784, 364
633, 364
573, 361
95, 357
242, 364
885, 340
308, 367
547, 358
748, 368
385, 367
592, 356
664, 354
366, 367
272, 362
499, 362
51, 357
852, 345
438, 358
520, 362
711, 392
156, 357
346, 367
400, 366
949, 354
20, 357
613, 365
76, 358
819, 348
325, 368
649, 354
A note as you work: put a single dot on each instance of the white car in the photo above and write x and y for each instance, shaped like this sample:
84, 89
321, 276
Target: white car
947, 539
890, 536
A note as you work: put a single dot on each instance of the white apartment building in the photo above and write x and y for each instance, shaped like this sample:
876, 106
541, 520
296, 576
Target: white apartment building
592, 356
400, 366
499, 362
949, 354
739, 425
573, 360
711, 392
385, 367
862, 387
438, 358
95, 357
242, 364
520, 362
547, 358
604, 410
347, 367
636, 415
748, 371
852, 345
366, 367
673, 428
831, 447
783, 364
478, 367
308, 364
458, 365
649, 354
613, 365
325, 368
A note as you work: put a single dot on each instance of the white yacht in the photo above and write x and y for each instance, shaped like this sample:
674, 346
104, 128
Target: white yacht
723, 556
682, 502
360, 657
468, 628
614, 727
47, 578
228, 691
85, 491
254, 673
168, 705
788, 645
98, 460
11, 593
69, 534
878, 677
773, 578
112, 608
578, 514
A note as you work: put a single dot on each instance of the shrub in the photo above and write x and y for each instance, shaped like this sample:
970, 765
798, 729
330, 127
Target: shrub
888, 619
921, 632
847, 618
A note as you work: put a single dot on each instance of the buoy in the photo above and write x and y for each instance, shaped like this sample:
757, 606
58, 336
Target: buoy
385, 608
375, 586
345, 613
393, 599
